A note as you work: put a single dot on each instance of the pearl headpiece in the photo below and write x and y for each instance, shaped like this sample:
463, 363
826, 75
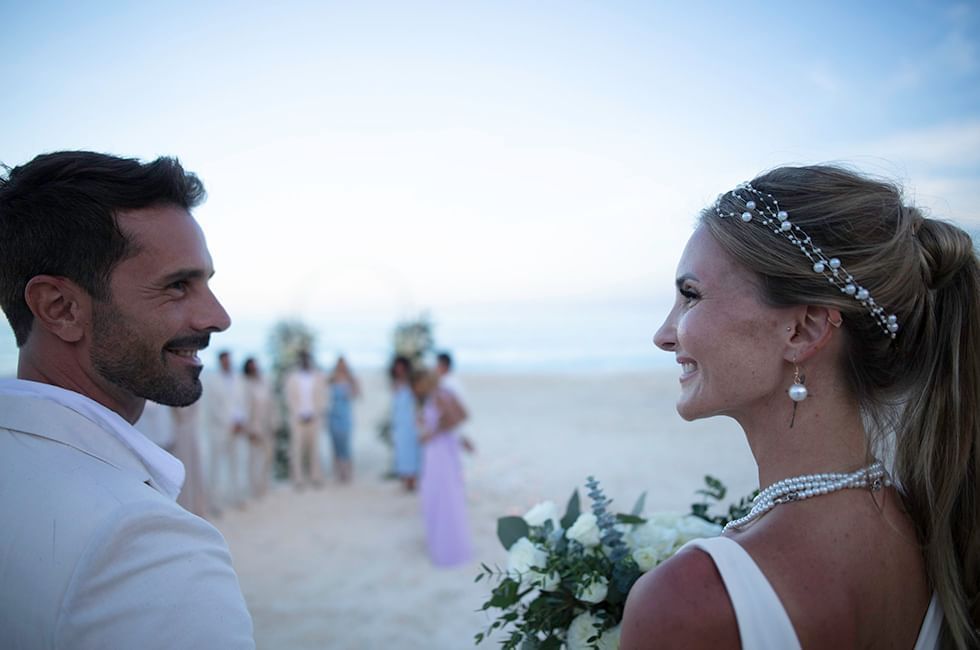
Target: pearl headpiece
764, 208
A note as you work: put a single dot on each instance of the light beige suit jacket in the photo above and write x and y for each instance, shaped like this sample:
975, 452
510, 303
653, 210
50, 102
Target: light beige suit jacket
92, 555
293, 391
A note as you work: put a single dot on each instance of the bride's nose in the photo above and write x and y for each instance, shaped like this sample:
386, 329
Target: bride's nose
665, 337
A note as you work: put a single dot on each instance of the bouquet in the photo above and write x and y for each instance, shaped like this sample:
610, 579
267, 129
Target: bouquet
567, 577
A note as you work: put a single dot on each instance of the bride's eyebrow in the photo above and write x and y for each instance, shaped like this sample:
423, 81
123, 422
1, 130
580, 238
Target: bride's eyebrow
681, 279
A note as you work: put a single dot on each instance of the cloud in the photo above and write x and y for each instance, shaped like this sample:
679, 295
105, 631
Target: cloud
953, 144
938, 165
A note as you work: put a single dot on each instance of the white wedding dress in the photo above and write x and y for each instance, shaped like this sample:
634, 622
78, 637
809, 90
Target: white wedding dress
762, 621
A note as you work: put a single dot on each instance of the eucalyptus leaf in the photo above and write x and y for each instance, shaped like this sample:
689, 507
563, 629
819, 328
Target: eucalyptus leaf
551, 643
630, 519
640, 504
511, 529
572, 511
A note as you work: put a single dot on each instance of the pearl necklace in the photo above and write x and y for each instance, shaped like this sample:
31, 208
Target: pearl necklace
797, 488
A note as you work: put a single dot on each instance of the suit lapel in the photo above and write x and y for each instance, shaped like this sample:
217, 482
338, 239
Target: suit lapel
47, 419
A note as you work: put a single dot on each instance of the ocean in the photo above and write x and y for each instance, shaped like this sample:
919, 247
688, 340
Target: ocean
493, 337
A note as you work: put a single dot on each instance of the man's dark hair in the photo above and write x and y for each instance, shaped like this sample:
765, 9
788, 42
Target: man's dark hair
445, 359
58, 217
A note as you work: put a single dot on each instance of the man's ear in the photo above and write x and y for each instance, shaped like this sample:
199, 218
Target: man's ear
814, 327
59, 306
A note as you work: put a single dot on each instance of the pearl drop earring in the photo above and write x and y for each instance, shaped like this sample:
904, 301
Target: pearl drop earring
797, 392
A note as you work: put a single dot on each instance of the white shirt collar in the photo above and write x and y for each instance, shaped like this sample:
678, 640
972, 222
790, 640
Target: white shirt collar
165, 470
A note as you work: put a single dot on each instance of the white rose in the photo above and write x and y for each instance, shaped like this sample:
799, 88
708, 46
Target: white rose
580, 631
692, 527
585, 530
659, 538
524, 556
544, 511
646, 558
594, 592
610, 639
664, 519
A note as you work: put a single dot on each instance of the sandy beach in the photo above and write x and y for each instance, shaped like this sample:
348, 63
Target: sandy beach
345, 566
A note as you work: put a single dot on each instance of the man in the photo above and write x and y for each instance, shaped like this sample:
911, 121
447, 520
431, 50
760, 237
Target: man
224, 409
104, 280
306, 402
450, 382
448, 379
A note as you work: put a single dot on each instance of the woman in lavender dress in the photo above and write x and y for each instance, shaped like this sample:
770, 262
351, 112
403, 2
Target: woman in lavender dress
441, 484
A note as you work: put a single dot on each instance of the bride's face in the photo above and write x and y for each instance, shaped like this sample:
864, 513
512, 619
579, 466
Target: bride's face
728, 342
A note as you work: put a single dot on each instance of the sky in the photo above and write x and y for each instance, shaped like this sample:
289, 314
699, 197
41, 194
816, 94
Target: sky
526, 173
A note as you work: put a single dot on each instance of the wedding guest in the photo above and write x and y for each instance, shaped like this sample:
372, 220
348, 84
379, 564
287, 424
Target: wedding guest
186, 423
404, 427
306, 401
155, 424
441, 485
840, 328
344, 388
261, 418
104, 279
224, 413
448, 380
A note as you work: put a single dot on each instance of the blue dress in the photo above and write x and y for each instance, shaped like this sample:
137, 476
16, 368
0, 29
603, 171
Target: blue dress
340, 420
404, 432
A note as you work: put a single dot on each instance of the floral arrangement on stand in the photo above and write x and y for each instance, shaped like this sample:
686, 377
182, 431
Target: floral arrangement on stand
412, 338
567, 578
287, 339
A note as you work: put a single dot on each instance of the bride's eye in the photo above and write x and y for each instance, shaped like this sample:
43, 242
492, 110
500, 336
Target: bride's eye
689, 294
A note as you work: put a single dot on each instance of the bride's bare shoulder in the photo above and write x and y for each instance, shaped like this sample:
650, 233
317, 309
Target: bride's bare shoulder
680, 604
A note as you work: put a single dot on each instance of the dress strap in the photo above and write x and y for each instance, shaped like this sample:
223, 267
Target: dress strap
762, 620
932, 625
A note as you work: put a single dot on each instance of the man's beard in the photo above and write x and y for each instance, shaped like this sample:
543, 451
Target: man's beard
121, 357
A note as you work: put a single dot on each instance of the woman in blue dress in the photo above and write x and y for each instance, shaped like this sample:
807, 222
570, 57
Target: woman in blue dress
404, 423
344, 389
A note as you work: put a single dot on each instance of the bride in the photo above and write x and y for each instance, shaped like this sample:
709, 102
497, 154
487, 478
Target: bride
838, 327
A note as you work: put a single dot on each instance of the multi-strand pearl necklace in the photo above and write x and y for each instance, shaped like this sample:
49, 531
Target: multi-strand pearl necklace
797, 488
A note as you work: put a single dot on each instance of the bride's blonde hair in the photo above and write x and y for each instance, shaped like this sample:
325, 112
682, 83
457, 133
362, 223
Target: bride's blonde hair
923, 385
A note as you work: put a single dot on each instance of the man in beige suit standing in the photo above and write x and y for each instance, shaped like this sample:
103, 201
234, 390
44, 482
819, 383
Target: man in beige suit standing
306, 402
223, 403
104, 279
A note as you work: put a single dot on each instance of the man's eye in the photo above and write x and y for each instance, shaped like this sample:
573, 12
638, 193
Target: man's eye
179, 285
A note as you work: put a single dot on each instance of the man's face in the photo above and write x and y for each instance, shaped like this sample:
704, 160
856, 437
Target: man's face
160, 313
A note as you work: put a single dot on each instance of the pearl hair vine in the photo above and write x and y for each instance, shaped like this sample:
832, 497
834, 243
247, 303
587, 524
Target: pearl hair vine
764, 208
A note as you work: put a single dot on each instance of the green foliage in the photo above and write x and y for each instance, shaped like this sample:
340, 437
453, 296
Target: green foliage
542, 621
716, 491
511, 529
639, 505
529, 617
287, 340
572, 511
413, 338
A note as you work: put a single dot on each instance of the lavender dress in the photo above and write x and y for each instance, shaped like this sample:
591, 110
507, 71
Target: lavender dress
442, 493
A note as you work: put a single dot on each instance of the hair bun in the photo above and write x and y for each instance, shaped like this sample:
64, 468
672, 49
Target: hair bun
946, 250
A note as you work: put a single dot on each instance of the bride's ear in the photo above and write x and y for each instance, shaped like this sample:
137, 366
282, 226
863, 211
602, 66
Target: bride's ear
812, 329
